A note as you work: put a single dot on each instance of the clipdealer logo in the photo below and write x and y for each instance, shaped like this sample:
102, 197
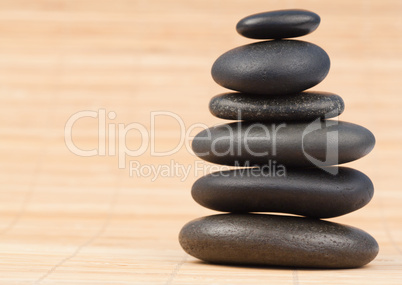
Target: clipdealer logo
112, 141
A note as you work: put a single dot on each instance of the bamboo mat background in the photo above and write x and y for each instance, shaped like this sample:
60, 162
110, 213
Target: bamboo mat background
68, 219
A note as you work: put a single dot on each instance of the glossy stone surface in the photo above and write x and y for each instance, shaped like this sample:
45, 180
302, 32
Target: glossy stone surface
320, 143
309, 192
278, 24
272, 67
304, 106
277, 240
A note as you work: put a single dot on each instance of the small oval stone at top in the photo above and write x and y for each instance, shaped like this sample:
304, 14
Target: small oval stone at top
278, 24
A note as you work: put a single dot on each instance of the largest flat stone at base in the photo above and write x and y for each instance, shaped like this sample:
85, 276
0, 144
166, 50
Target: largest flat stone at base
277, 240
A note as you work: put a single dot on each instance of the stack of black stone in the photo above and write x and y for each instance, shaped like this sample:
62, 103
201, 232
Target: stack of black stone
284, 138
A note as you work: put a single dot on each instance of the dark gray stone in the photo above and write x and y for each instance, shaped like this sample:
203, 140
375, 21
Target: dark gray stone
304, 106
309, 192
278, 24
277, 240
272, 67
320, 143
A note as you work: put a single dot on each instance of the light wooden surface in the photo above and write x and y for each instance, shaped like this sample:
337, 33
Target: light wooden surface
67, 219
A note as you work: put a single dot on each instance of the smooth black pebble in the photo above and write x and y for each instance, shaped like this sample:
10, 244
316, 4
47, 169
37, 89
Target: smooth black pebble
277, 240
272, 67
278, 24
320, 143
304, 106
313, 192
